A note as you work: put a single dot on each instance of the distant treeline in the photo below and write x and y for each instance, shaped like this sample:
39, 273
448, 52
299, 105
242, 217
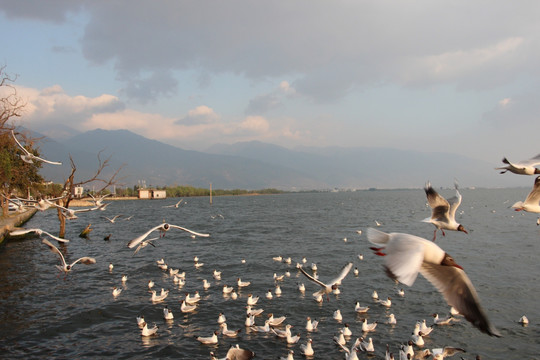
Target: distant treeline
179, 191
187, 191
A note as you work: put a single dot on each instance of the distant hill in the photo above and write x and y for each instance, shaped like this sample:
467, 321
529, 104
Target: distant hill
257, 165
161, 164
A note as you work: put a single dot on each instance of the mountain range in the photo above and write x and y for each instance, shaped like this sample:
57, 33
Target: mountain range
258, 165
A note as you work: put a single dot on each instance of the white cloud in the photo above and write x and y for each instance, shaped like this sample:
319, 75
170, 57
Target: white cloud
256, 124
505, 102
200, 115
53, 105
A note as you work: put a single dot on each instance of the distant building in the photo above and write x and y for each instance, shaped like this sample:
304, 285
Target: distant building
78, 192
152, 194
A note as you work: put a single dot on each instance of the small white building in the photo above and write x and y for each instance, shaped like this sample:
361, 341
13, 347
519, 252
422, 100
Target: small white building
152, 194
78, 192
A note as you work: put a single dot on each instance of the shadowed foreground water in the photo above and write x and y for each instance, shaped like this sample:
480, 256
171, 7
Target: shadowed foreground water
45, 316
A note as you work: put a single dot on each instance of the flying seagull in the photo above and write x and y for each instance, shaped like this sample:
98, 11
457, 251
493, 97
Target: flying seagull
443, 212
532, 202
327, 288
28, 157
163, 228
407, 255
37, 231
65, 266
524, 167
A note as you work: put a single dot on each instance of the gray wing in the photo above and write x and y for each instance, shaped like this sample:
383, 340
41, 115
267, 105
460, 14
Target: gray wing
458, 292
189, 231
439, 205
84, 260
55, 250
534, 195
140, 238
54, 237
19, 144
530, 162
454, 203
316, 281
344, 271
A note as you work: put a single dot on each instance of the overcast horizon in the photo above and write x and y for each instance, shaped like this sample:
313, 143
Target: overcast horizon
453, 76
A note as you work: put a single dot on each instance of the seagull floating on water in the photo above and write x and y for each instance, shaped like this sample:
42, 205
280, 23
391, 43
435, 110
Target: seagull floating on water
311, 325
407, 255
210, 340
524, 167
149, 332
235, 353
162, 228
443, 212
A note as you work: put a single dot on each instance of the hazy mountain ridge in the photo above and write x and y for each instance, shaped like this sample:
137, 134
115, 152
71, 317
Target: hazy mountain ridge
257, 165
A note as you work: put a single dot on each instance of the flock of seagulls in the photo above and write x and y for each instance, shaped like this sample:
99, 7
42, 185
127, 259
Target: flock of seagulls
404, 257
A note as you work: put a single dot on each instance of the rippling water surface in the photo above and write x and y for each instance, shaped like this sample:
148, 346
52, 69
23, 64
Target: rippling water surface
45, 316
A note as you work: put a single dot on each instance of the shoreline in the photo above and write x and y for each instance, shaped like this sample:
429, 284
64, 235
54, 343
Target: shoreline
10, 222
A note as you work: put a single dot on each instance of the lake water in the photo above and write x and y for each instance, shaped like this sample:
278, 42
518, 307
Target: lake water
45, 316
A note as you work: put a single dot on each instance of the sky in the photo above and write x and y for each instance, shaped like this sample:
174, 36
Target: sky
453, 76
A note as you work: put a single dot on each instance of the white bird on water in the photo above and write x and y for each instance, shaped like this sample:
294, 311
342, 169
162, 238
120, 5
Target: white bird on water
307, 349
149, 331
443, 212
37, 231
158, 298
167, 314
65, 267
367, 327
210, 340
327, 288
407, 255
524, 167
162, 228
116, 291
235, 353
311, 325
28, 157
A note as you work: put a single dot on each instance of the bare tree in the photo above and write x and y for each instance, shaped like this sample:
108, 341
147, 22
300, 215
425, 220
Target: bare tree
70, 184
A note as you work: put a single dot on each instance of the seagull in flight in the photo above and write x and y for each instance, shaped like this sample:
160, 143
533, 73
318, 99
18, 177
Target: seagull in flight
112, 221
37, 231
99, 201
143, 244
70, 214
407, 255
175, 205
327, 288
532, 202
65, 267
443, 212
28, 157
162, 228
524, 167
